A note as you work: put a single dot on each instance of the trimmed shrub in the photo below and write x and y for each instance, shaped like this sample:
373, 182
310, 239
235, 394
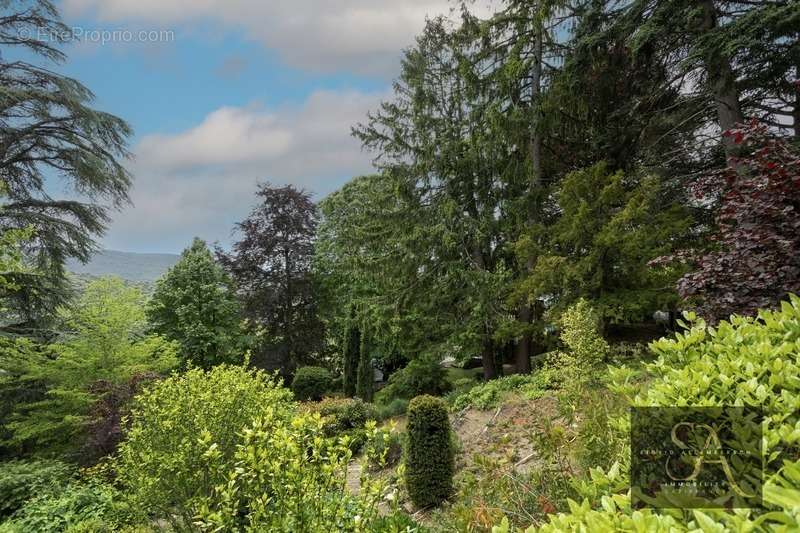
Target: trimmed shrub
351, 354
429, 457
311, 383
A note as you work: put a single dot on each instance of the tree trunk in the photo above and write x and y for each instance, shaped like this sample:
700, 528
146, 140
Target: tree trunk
721, 81
489, 365
796, 111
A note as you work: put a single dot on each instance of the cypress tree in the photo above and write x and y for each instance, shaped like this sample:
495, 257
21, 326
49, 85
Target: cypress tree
351, 354
365, 382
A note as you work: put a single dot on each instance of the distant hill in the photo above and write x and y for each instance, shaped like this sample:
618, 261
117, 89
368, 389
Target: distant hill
127, 265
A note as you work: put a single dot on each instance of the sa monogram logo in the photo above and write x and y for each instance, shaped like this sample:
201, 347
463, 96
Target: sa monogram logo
710, 453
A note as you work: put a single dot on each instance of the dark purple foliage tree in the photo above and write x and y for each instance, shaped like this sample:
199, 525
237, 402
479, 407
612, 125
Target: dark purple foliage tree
271, 267
105, 431
755, 261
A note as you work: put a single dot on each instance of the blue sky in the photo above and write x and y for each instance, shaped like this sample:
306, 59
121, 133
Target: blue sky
235, 92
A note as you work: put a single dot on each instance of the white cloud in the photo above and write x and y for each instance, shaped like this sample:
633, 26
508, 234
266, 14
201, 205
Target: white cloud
201, 181
363, 36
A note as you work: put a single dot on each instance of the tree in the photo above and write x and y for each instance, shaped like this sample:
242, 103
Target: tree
609, 227
351, 354
448, 265
105, 343
734, 58
365, 378
194, 304
271, 268
48, 131
753, 261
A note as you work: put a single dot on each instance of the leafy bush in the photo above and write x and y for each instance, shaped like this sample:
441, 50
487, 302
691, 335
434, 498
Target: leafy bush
420, 376
288, 477
77, 507
493, 393
311, 383
429, 459
22, 480
580, 333
345, 417
744, 361
396, 407
176, 421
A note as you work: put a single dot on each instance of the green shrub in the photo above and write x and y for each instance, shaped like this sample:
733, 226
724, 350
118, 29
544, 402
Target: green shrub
311, 383
288, 477
177, 420
342, 414
22, 480
420, 376
429, 459
396, 407
493, 393
745, 361
580, 333
77, 507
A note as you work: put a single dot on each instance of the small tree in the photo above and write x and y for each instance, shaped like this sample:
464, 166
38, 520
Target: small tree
365, 382
351, 355
429, 457
194, 304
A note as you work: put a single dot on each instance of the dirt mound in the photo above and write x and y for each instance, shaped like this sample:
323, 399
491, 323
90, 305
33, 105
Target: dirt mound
506, 433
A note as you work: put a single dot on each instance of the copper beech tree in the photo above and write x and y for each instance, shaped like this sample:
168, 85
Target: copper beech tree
753, 261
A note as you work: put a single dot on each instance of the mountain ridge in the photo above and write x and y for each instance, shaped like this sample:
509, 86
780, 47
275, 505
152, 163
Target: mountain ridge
131, 266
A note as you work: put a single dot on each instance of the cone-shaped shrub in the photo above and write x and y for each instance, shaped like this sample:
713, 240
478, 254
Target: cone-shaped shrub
429, 453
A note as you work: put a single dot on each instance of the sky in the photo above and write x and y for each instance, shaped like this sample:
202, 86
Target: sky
225, 94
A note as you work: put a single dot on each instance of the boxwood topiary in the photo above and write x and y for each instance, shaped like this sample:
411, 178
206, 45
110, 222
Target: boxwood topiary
311, 383
429, 453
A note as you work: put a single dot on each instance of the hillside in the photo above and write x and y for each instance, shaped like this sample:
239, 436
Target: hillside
127, 265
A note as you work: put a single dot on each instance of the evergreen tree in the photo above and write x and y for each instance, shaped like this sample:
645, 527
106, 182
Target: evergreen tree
351, 355
365, 379
49, 131
194, 304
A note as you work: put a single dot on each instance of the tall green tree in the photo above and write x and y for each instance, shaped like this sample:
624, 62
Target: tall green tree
365, 375
451, 265
351, 354
737, 59
48, 131
194, 304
